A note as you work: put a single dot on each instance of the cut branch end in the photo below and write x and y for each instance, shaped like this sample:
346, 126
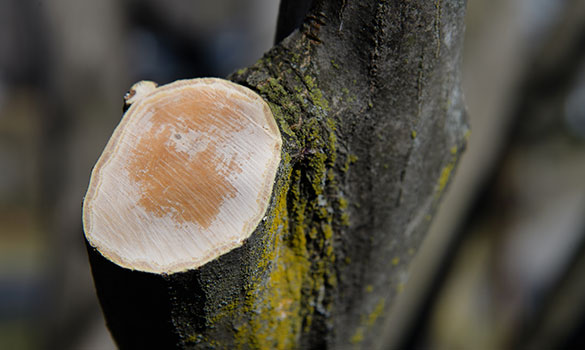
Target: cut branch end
186, 176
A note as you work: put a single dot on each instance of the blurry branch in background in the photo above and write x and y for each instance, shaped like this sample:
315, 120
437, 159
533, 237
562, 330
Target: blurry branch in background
563, 50
542, 120
81, 102
552, 73
560, 321
519, 248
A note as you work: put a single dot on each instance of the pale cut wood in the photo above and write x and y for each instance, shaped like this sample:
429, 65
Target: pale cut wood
186, 176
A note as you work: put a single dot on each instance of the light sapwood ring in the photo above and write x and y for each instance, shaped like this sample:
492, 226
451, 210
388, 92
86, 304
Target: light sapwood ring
186, 176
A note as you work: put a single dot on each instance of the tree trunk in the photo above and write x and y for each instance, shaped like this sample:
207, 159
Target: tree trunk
368, 100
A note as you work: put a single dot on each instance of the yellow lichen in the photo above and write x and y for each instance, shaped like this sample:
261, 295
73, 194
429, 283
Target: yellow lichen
345, 219
378, 309
281, 304
445, 175
277, 317
358, 336
367, 321
467, 135
343, 203
327, 231
315, 93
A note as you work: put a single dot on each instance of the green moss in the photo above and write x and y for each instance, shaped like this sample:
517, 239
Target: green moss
334, 64
395, 261
332, 141
317, 177
316, 93
295, 58
351, 159
280, 118
310, 81
193, 339
413, 134
349, 98
345, 167
277, 90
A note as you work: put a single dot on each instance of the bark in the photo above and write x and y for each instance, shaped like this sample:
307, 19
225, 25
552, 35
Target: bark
291, 14
368, 99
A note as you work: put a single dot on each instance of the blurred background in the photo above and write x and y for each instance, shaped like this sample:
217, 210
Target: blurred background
504, 264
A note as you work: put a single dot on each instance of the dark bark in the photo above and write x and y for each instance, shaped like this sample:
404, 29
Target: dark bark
367, 96
291, 14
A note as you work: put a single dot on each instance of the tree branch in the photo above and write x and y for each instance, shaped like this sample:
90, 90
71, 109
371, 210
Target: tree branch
368, 100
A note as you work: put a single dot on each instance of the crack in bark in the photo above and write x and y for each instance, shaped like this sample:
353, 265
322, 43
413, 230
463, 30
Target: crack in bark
438, 6
340, 15
378, 28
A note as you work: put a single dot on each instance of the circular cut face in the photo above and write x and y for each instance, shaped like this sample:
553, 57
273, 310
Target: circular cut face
186, 176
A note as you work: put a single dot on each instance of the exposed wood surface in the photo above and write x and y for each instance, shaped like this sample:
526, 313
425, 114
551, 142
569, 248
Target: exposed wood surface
186, 176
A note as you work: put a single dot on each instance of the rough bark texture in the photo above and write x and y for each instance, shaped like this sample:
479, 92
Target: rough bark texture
367, 96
